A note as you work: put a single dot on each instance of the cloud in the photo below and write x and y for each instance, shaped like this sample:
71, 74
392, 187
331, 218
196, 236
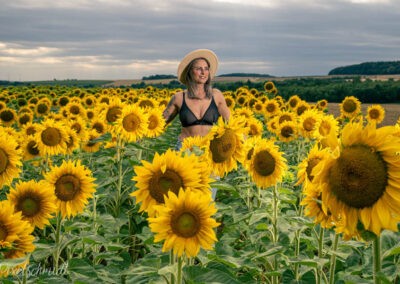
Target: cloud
118, 39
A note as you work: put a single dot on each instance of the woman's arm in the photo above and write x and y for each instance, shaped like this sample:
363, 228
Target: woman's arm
223, 108
171, 110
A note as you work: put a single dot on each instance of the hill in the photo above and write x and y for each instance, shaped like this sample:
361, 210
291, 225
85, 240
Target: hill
369, 68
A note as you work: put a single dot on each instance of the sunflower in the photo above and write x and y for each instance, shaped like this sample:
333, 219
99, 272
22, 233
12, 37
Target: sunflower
244, 111
63, 101
131, 124
258, 107
91, 144
42, 107
271, 108
10, 160
35, 201
322, 105
315, 208
79, 126
242, 100
302, 106
8, 116
112, 111
269, 86
375, 113
225, 144
254, 126
168, 172
293, 102
99, 125
89, 101
309, 122
184, 223
305, 173
145, 103
155, 122
51, 137
287, 131
190, 143
361, 181
29, 148
73, 185
230, 101
273, 125
74, 109
24, 118
350, 107
73, 141
15, 232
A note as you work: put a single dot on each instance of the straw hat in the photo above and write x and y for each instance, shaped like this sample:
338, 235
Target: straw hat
210, 56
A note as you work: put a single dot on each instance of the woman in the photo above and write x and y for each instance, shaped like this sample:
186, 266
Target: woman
199, 106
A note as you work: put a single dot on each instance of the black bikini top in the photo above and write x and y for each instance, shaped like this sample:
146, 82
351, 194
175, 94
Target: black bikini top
187, 117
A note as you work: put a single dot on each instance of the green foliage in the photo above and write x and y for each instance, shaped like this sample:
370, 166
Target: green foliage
368, 68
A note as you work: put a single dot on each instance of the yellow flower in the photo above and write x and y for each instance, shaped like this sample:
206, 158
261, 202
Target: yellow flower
287, 131
51, 137
269, 86
10, 160
168, 172
267, 165
35, 201
155, 122
16, 232
350, 107
375, 113
8, 116
309, 122
73, 185
271, 108
184, 223
131, 124
225, 145
360, 181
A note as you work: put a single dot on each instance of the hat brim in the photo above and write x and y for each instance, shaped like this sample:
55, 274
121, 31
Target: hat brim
209, 55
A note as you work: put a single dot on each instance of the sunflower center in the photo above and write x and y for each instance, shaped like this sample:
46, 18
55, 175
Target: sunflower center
250, 153
324, 128
285, 117
374, 113
42, 108
130, 122
153, 122
3, 161
51, 136
287, 131
359, 176
349, 106
29, 206
301, 109
310, 165
7, 115
32, 148
161, 183
309, 124
3, 232
77, 127
270, 107
67, 186
30, 131
264, 163
222, 148
24, 119
113, 113
185, 225
74, 110
99, 127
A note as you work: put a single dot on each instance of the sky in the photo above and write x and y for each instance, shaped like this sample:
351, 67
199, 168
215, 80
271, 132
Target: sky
123, 39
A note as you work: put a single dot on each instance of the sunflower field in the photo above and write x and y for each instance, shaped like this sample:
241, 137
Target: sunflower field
93, 190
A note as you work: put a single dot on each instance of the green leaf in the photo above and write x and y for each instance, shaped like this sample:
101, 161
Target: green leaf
80, 269
197, 274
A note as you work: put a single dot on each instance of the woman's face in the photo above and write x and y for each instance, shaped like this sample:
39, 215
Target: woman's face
200, 71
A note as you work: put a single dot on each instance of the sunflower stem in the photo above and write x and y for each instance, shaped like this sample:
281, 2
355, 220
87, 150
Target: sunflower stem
333, 259
56, 254
297, 245
179, 272
275, 235
320, 253
172, 262
377, 258
120, 176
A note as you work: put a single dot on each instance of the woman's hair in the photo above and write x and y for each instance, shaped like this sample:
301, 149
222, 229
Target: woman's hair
192, 84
